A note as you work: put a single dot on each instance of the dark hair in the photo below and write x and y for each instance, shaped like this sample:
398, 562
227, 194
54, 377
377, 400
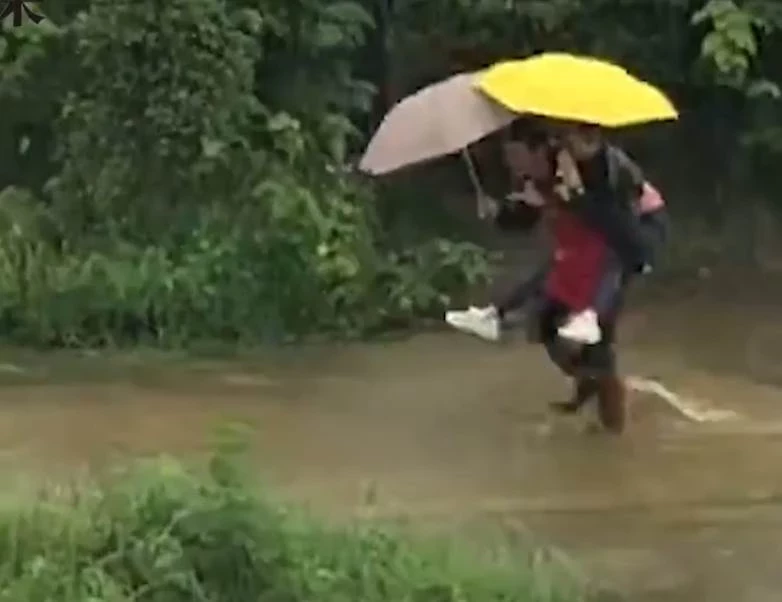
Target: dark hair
529, 131
590, 130
534, 134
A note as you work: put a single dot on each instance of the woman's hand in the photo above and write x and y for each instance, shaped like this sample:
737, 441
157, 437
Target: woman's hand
529, 195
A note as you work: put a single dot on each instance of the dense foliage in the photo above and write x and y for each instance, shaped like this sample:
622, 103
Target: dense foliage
162, 534
182, 179
174, 170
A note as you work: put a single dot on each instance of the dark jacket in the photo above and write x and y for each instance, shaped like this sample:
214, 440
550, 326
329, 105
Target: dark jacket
613, 183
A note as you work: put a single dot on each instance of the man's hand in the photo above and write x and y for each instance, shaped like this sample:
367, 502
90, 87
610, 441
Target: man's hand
567, 171
530, 195
488, 208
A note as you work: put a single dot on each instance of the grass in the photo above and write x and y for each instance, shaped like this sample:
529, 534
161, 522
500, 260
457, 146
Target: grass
156, 532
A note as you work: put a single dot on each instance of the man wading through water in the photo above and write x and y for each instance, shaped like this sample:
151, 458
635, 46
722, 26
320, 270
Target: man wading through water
599, 218
591, 213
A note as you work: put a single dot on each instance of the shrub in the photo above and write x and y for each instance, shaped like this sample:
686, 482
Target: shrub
291, 265
158, 533
188, 204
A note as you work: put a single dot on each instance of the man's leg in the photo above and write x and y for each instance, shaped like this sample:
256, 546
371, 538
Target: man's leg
596, 375
550, 316
564, 357
585, 386
612, 403
585, 389
600, 360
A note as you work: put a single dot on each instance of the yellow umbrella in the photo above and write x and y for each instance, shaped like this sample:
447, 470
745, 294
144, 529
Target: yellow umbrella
583, 89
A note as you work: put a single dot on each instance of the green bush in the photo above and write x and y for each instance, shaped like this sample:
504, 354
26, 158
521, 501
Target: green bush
183, 157
191, 199
158, 533
293, 264
159, 117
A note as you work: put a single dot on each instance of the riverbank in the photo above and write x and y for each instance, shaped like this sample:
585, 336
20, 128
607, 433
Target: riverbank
158, 532
440, 431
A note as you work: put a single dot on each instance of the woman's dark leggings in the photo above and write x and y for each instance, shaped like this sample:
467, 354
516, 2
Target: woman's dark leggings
522, 291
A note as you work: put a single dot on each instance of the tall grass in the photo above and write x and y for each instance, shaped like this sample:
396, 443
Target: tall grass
159, 533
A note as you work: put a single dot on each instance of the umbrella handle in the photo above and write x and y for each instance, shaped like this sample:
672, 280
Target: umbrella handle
476, 182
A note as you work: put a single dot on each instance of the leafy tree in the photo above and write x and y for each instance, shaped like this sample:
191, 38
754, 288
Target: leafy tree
162, 105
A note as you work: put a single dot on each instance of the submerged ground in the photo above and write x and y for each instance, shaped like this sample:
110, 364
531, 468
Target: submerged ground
441, 428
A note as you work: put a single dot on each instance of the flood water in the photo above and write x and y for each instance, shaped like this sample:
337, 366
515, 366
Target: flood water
443, 427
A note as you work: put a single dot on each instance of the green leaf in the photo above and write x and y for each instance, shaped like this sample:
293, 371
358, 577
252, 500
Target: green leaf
737, 28
764, 87
252, 20
349, 13
713, 10
712, 44
329, 35
211, 148
282, 121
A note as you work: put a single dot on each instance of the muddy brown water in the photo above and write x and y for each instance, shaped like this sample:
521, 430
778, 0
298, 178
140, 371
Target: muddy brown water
441, 427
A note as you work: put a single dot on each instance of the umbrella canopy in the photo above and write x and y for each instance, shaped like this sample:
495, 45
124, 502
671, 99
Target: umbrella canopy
572, 88
438, 120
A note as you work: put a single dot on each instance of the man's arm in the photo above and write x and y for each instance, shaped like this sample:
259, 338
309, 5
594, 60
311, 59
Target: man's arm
629, 177
613, 214
618, 224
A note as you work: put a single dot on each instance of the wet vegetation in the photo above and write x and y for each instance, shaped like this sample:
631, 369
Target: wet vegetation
176, 171
158, 533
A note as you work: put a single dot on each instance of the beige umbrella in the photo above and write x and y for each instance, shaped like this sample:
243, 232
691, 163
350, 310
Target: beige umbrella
441, 119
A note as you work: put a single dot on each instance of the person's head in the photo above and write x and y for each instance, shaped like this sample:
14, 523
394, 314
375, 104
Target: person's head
527, 149
581, 140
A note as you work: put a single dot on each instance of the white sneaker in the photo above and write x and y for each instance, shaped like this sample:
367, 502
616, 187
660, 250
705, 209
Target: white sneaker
479, 321
581, 328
